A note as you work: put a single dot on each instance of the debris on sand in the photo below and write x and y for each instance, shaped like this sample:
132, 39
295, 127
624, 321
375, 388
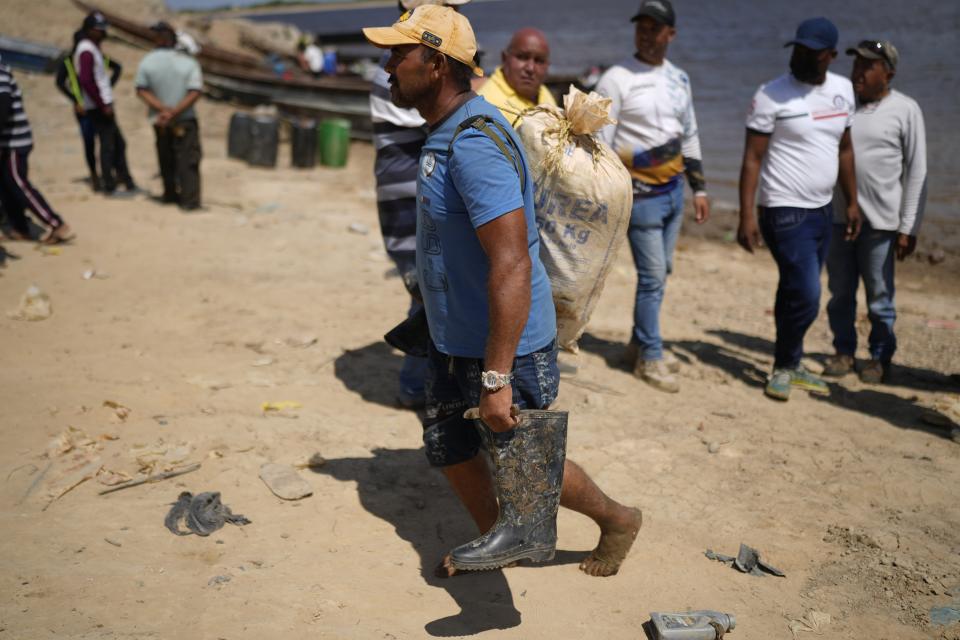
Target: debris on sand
35, 305
284, 481
813, 622
313, 463
944, 616
217, 581
747, 561
145, 478
160, 456
301, 342
70, 439
281, 408
202, 514
72, 472
119, 411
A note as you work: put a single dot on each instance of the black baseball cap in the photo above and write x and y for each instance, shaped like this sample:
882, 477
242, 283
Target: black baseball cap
95, 20
659, 10
163, 27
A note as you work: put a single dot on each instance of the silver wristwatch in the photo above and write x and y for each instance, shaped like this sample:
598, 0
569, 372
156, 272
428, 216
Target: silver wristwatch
494, 380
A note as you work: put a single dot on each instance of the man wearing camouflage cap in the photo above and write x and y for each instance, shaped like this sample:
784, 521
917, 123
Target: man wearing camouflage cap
891, 166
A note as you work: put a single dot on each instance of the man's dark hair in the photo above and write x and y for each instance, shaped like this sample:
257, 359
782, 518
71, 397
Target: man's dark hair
461, 73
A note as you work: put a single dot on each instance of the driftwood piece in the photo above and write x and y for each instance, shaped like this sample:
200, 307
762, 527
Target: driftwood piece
166, 475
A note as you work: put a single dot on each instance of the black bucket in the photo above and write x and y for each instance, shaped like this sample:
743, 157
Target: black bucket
303, 143
238, 138
264, 138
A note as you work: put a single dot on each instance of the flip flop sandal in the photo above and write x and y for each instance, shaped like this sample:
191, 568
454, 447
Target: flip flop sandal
53, 238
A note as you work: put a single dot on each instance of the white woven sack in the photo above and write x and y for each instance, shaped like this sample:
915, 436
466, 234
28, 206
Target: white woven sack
583, 201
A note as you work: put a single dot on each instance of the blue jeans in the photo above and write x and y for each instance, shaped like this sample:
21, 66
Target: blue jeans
654, 226
870, 257
453, 386
799, 240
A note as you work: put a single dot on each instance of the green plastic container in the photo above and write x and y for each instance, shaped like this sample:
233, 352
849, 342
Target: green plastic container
334, 141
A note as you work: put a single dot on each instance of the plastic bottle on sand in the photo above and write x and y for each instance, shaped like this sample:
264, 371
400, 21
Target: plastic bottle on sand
692, 625
34, 305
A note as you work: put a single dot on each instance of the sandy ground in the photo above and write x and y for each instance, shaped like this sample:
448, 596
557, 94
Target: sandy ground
193, 321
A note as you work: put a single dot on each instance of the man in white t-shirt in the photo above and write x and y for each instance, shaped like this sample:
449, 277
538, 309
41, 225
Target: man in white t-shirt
656, 136
798, 143
889, 136
310, 56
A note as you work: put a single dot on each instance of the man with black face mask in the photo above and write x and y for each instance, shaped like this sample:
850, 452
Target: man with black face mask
798, 142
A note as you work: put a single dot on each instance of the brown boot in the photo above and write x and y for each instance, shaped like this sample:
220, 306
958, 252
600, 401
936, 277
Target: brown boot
838, 366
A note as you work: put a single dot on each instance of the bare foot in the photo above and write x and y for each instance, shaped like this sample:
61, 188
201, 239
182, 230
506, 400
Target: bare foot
614, 544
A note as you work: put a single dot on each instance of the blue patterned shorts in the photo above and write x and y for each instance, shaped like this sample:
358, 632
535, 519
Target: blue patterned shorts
453, 386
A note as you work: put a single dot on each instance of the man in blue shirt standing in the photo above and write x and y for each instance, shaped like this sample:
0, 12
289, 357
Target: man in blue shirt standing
490, 313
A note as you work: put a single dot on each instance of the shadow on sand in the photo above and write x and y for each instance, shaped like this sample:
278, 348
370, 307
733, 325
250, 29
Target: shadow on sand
731, 358
371, 371
397, 486
6, 256
902, 375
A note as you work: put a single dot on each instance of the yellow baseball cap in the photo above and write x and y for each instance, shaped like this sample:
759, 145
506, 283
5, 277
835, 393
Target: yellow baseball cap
413, 4
440, 28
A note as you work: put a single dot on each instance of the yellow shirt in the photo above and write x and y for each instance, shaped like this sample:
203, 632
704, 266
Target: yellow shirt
497, 92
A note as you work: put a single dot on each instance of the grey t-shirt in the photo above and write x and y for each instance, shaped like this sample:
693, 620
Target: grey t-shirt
169, 75
890, 147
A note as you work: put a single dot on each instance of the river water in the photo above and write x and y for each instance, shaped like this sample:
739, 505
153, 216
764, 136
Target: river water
730, 47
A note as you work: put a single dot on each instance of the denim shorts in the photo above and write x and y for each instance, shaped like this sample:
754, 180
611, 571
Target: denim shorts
453, 386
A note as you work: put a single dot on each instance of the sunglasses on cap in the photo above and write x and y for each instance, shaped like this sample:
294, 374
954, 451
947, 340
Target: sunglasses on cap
878, 48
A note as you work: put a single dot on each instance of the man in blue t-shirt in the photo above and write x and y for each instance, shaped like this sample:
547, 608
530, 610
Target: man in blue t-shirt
490, 313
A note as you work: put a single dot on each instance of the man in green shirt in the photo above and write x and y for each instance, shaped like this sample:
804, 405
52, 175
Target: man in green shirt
170, 83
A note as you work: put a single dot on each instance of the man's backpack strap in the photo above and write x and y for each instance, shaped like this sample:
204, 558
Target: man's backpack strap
485, 125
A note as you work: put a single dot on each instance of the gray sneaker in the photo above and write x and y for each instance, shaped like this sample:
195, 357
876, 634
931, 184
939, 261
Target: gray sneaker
632, 353
671, 361
805, 380
656, 374
779, 385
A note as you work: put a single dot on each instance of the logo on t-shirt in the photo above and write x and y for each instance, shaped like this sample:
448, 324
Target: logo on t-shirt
840, 109
428, 164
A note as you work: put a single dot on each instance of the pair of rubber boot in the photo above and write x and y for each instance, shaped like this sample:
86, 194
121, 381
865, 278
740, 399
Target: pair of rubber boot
528, 475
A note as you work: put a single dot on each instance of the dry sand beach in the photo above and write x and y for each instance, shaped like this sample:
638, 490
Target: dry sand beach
280, 292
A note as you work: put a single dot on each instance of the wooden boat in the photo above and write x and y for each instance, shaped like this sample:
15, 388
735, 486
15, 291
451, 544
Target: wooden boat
208, 53
29, 56
246, 79
327, 97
